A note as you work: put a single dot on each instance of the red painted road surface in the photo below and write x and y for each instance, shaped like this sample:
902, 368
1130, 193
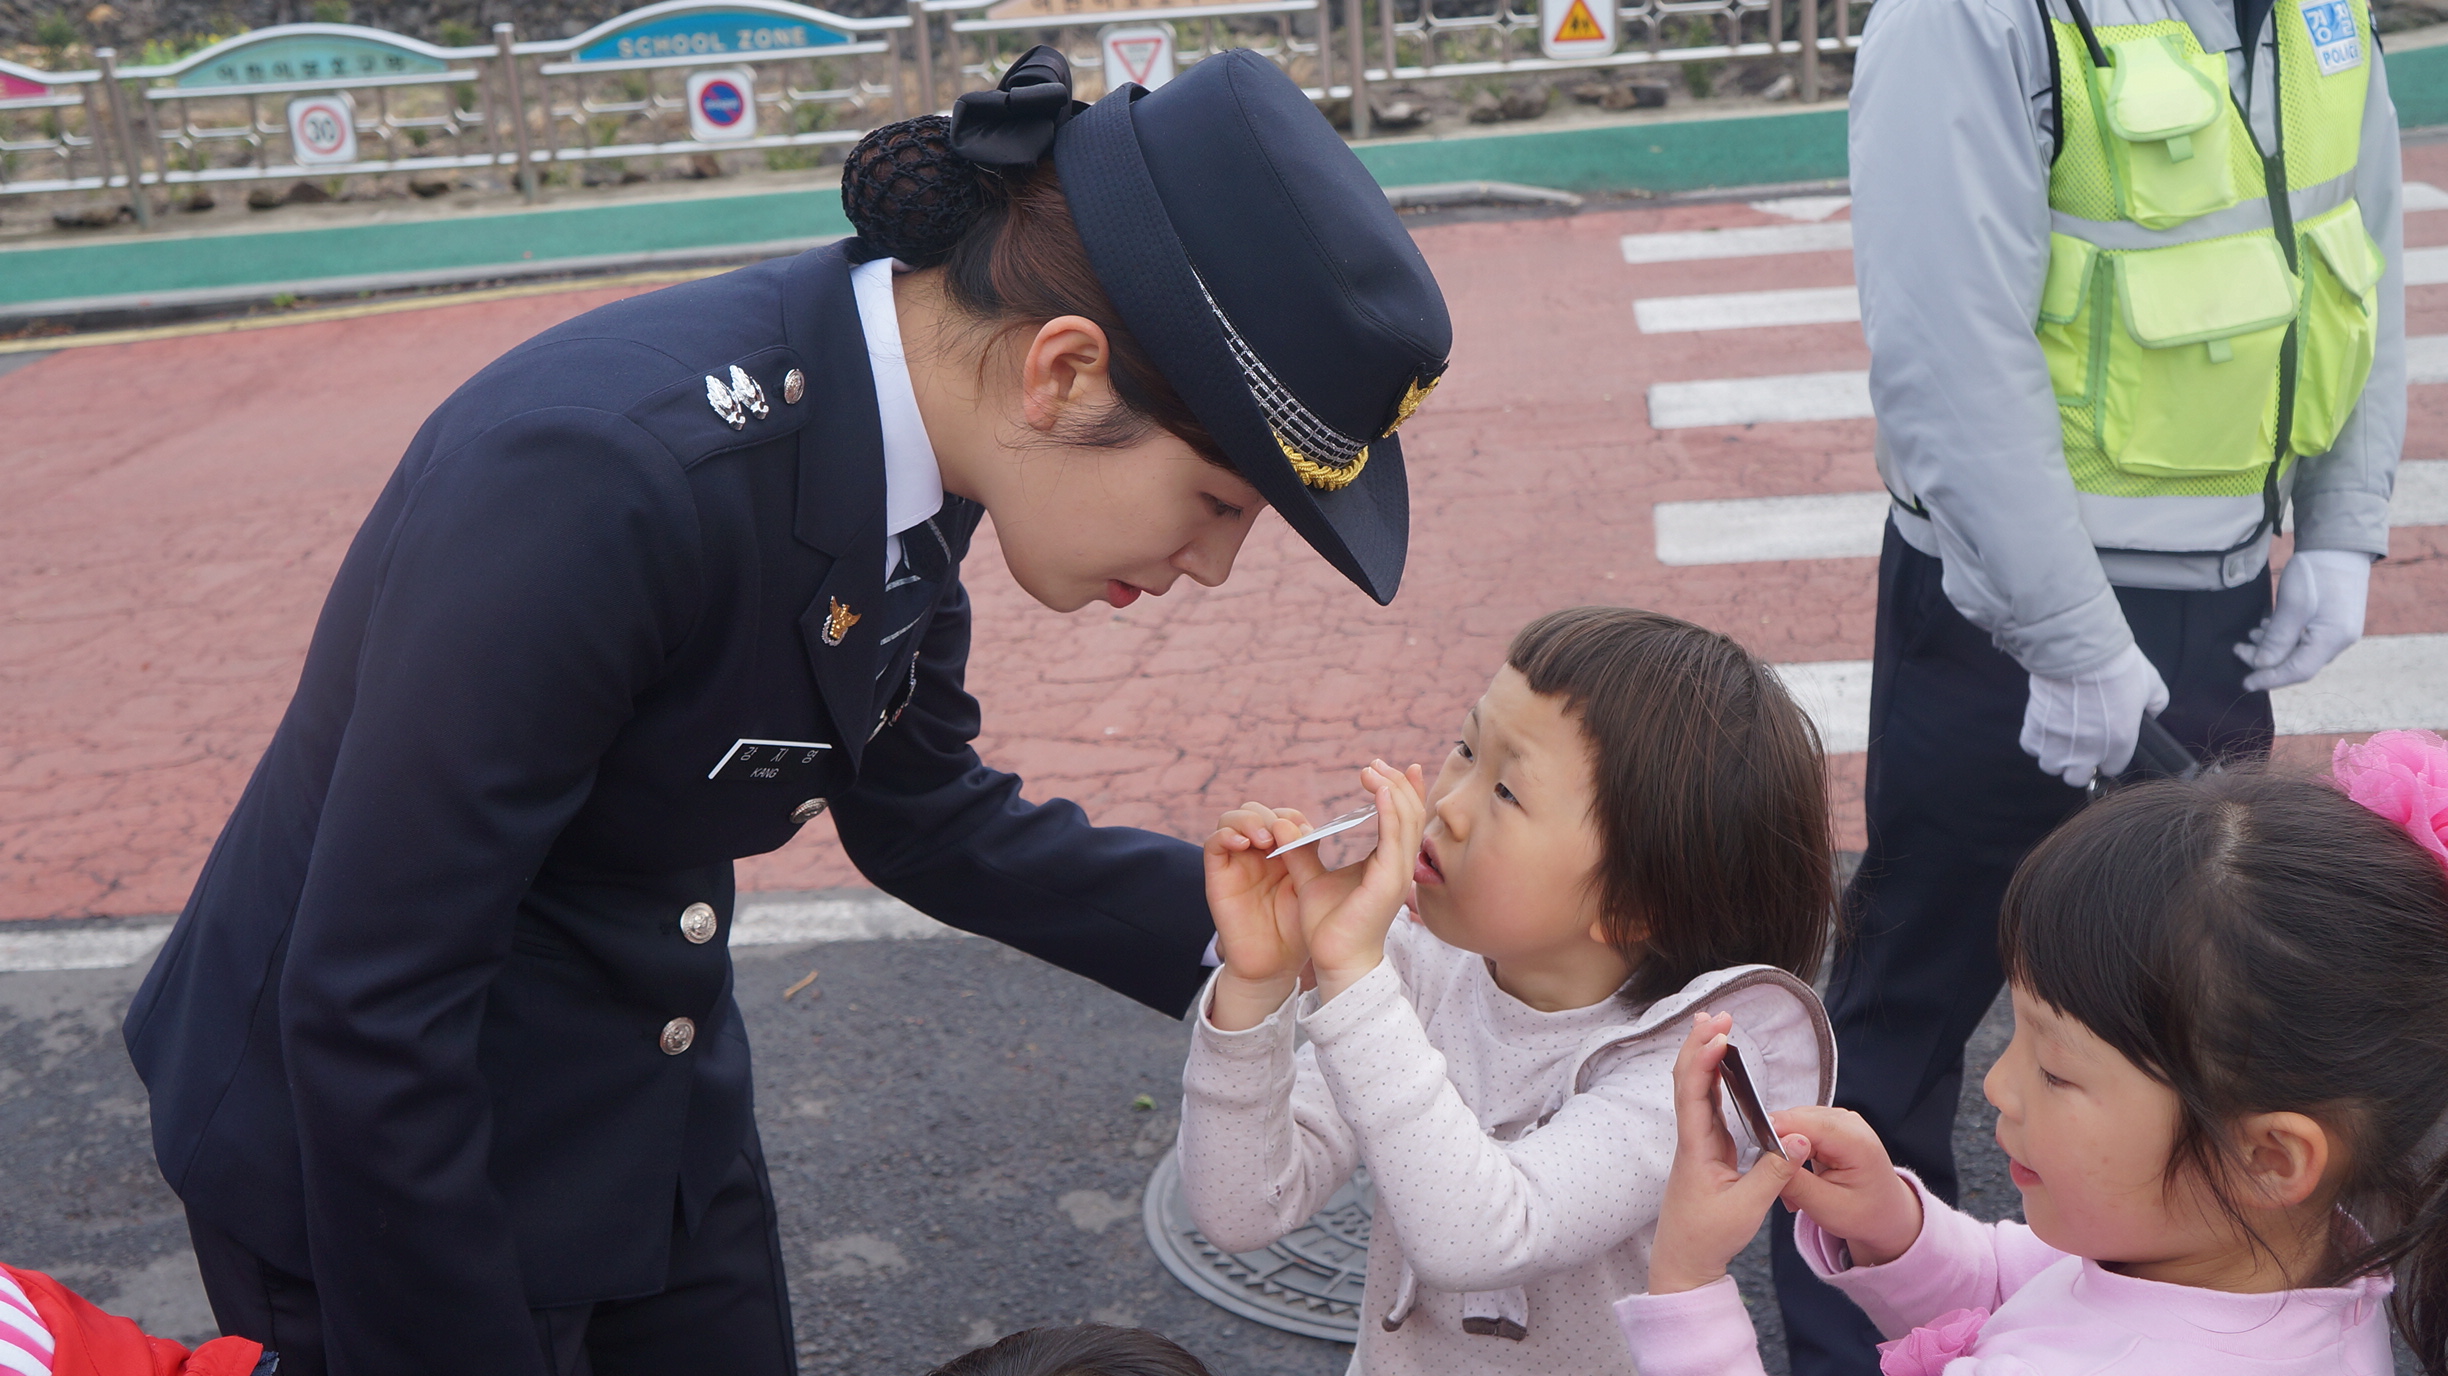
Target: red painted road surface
171, 513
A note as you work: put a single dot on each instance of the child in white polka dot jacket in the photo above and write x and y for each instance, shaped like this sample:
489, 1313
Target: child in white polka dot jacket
1631, 828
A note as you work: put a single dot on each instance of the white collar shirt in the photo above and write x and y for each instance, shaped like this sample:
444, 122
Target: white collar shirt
913, 483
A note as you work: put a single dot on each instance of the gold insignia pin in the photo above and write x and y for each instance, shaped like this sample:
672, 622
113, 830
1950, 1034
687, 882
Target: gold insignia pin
838, 622
1412, 398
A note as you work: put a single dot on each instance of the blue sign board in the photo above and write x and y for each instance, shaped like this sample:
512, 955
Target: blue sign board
721, 103
709, 33
336, 58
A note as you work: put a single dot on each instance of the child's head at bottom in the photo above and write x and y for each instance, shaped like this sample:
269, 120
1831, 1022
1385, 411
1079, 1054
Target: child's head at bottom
1634, 798
2231, 1022
1086, 1349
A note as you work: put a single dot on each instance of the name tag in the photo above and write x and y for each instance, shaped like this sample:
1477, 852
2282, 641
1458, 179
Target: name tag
766, 762
2337, 45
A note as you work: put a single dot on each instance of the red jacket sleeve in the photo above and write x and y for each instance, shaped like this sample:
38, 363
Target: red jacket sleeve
88, 1342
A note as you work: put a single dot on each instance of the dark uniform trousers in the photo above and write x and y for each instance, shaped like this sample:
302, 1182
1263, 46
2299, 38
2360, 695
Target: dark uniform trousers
725, 1307
1952, 806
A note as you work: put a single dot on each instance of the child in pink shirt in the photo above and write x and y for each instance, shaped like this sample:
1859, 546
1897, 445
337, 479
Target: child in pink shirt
2223, 1105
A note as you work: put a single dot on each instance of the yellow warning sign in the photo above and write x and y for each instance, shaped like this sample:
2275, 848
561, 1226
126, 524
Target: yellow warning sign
1579, 26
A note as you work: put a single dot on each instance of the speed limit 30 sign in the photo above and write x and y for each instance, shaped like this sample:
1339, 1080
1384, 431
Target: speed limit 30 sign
323, 129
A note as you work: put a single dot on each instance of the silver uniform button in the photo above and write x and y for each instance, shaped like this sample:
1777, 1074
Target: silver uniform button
808, 811
677, 1036
794, 386
697, 923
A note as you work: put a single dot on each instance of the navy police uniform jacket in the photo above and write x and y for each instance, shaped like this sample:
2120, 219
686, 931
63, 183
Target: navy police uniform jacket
412, 1036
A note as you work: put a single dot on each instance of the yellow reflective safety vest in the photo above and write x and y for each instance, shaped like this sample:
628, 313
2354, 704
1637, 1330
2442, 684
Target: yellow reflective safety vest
2211, 306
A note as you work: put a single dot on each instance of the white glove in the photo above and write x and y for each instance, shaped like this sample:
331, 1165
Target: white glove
2319, 612
2085, 725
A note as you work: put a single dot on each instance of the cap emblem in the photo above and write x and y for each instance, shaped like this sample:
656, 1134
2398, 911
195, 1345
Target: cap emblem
1416, 393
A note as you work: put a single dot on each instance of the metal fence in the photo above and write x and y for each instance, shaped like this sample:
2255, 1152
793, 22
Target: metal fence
691, 77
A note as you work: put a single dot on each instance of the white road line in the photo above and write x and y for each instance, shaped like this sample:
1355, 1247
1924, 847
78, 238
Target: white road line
1850, 525
2426, 267
2382, 683
1846, 396
2427, 358
2424, 196
1741, 310
1756, 241
1750, 530
80, 948
1820, 207
778, 920
1751, 400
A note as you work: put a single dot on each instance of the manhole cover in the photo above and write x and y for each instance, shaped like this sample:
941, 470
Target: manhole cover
1308, 1282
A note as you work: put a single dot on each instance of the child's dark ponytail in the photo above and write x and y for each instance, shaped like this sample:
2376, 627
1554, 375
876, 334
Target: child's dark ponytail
2259, 943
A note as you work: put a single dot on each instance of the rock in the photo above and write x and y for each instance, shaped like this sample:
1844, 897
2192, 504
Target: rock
1590, 92
426, 188
306, 193
1635, 95
91, 216
1336, 109
1484, 108
704, 166
1399, 115
1780, 89
264, 198
198, 200
1525, 102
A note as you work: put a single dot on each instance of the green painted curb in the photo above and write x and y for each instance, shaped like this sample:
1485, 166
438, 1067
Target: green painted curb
138, 266
1664, 155
1660, 155
2418, 82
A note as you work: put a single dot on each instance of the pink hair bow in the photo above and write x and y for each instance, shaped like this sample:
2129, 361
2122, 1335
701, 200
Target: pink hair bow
1926, 1350
2403, 776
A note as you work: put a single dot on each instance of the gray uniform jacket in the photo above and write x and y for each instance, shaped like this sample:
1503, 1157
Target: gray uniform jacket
1951, 138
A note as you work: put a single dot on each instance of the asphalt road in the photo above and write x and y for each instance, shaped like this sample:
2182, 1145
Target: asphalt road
950, 1127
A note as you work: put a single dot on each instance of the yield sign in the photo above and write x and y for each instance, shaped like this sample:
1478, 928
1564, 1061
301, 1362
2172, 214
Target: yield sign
1140, 53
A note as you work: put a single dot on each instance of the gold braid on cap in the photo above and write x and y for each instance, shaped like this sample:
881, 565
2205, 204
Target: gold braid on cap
1324, 458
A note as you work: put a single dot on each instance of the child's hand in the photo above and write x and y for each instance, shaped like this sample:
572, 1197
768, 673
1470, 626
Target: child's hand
1345, 912
1712, 1210
1257, 914
1856, 1194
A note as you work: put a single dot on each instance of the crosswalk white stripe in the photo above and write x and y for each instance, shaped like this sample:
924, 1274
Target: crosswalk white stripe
1752, 241
2381, 683
2427, 358
1846, 396
2424, 196
1750, 530
1850, 525
1820, 207
2426, 267
779, 920
1747, 310
1752, 400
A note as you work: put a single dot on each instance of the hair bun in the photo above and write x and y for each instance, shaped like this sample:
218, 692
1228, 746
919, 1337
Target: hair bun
909, 195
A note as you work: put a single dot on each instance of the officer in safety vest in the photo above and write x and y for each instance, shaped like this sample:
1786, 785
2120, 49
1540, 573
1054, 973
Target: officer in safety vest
2131, 276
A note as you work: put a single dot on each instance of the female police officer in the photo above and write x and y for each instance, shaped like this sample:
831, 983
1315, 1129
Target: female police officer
443, 1053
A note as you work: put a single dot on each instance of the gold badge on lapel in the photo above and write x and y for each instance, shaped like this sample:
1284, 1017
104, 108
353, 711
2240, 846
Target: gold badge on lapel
838, 621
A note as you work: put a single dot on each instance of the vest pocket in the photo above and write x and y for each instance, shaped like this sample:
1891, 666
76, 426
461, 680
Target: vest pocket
2192, 376
2065, 332
2168, 110
2342, 268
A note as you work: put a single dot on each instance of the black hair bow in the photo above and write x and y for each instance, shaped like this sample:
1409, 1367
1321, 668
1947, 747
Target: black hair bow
1013, 125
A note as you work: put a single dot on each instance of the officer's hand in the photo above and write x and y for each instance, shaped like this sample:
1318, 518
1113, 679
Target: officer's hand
1346, 921
2319, 612
1256, 906
2085, 725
